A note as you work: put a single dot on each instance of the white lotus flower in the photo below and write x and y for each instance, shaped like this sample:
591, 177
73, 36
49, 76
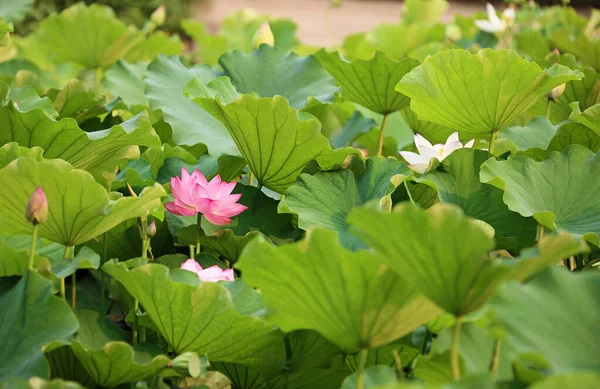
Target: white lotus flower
494, 24
427, 151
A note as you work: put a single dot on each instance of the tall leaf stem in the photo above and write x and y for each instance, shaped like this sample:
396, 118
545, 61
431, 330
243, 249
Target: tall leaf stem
362, 362
102, 281
63, 289
493, 142
495, 357
74, 290
136, 305
381, 134
454, 360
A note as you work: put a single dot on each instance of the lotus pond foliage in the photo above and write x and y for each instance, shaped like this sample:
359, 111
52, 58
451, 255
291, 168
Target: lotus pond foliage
416, 207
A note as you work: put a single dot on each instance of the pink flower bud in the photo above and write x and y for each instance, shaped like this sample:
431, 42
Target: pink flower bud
151, 230
210, 274
37, 207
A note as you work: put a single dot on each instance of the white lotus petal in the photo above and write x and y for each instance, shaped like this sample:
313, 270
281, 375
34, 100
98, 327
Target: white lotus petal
469, 144
419, 167
452, 138
413, 158
487, 26
509, 14
491, 12
430, 152
450, 148
421, 141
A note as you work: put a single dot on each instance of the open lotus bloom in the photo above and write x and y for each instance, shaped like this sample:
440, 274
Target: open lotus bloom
210, 274
193, 195
427, 151
494, 24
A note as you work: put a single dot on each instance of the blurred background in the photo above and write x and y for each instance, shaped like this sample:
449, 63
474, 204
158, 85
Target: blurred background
320, 22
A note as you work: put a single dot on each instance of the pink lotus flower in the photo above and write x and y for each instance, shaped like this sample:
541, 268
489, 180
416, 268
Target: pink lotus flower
193, 194
427, 151
210, 274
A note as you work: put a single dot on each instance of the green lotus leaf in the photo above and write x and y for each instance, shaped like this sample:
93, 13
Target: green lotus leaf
200, 318
15, 263
575, 134
226, 244
589, 118
457, 182
155, 44
478, 93
535, 317
28, 304
95, 151
26, 99
369, 83
559, 192
108, 359
220, 87
373, 377
538, 133
574, 380
166, 78
13, 11
74, 100
326, 199
298, 297
65, 365
580, 45
270, 72
40, 383
79, 207
273, 138
124, 80
99, 38
584, 92
429, 250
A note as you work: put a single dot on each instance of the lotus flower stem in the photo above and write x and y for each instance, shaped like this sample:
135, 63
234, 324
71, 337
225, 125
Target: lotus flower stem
362, 361
136, 305
495, 358
199, 222
192, 249
33, 242
381, 134
454, 360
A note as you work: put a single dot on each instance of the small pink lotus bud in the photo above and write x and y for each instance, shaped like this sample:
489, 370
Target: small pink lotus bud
37, 207
151, 230
159, 15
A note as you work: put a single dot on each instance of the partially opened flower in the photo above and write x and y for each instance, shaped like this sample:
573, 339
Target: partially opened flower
193, 194
210, 274
37, 207
427, 151
494, 24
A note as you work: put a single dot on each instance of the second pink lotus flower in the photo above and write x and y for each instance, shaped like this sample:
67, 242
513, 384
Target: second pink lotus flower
194, 194
210, 274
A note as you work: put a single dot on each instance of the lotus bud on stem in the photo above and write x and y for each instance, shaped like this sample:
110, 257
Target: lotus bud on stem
36, 212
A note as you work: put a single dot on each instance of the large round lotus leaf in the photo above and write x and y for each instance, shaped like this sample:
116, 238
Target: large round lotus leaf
201, 318
478, 93
316, 283
31, 318
273, 138
270, 72
93, 151
79, 207
560, 192
553, 316
443, 253
369, 83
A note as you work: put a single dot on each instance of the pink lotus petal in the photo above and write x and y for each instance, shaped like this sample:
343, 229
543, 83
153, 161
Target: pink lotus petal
199, 178
191, 265
217, 220
229, 210
203, 205
215, 274
178, 210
